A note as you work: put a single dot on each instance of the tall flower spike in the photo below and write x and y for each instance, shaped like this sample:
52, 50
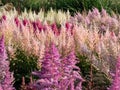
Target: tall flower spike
70, 74
57, 73
5, 75
49, 73
116, 81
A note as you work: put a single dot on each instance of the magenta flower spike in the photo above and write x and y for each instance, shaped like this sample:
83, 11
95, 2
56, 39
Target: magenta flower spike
104, 13
39, 25
96, 12
70, 73
49, 74
34, 26
55, 29
6, 76
4, 17
57, 73
116, 80
1, 87
25, 22
68, 26
17, 22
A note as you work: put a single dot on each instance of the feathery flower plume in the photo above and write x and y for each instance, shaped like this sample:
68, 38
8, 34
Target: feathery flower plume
25, 22
17, 21
49, 74
70, 75
57, 73
39, 25
4, 17
54, 29
5, 75
116, 81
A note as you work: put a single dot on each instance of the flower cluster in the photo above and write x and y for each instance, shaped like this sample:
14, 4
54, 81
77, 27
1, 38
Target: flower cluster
6, 78
95, 35
58, 73
116, 77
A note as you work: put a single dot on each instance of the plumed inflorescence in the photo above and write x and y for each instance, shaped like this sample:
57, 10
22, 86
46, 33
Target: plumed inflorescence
58, 73
71, 79
116, 80
5, 75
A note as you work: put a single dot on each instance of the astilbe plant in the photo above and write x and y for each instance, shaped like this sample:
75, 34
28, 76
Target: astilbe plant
5, 75
49, 74
70, 76
116, 80
57, 73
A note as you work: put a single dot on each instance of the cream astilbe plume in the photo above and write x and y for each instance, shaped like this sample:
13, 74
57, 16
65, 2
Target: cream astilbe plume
35, 46
62, 38
50, 16
41, 15
61, 17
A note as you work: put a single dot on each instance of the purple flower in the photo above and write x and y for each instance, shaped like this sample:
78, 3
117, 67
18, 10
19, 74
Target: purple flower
68, 26
94, 15
25, 22
34, 26
70, 73
6, 76
39, 25
4, 17
1, 87
79, 17
57, 73
17, 22
96, 12
87, 21
116, 81
104, 13
49, 74
54, 29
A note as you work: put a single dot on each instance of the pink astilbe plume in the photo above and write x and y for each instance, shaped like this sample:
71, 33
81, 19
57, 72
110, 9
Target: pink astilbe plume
69, 27
71, 79
104, 13
116, 81
34, 26
5, 75
49, 74
4, 17
55, 29
1, 87
25, 22
17, 21
57, 73
39, 25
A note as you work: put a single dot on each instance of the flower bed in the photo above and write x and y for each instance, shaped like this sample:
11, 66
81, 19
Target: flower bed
28, 39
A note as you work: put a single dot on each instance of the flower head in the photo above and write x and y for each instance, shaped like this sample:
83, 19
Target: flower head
6, 76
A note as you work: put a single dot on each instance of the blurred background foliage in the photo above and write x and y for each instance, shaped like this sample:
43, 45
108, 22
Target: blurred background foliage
71, 5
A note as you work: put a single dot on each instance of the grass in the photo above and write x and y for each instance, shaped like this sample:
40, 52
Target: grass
73, 5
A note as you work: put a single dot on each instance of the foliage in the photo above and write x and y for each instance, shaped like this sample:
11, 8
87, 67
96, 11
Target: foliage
22, 65
94, 78
71, 5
